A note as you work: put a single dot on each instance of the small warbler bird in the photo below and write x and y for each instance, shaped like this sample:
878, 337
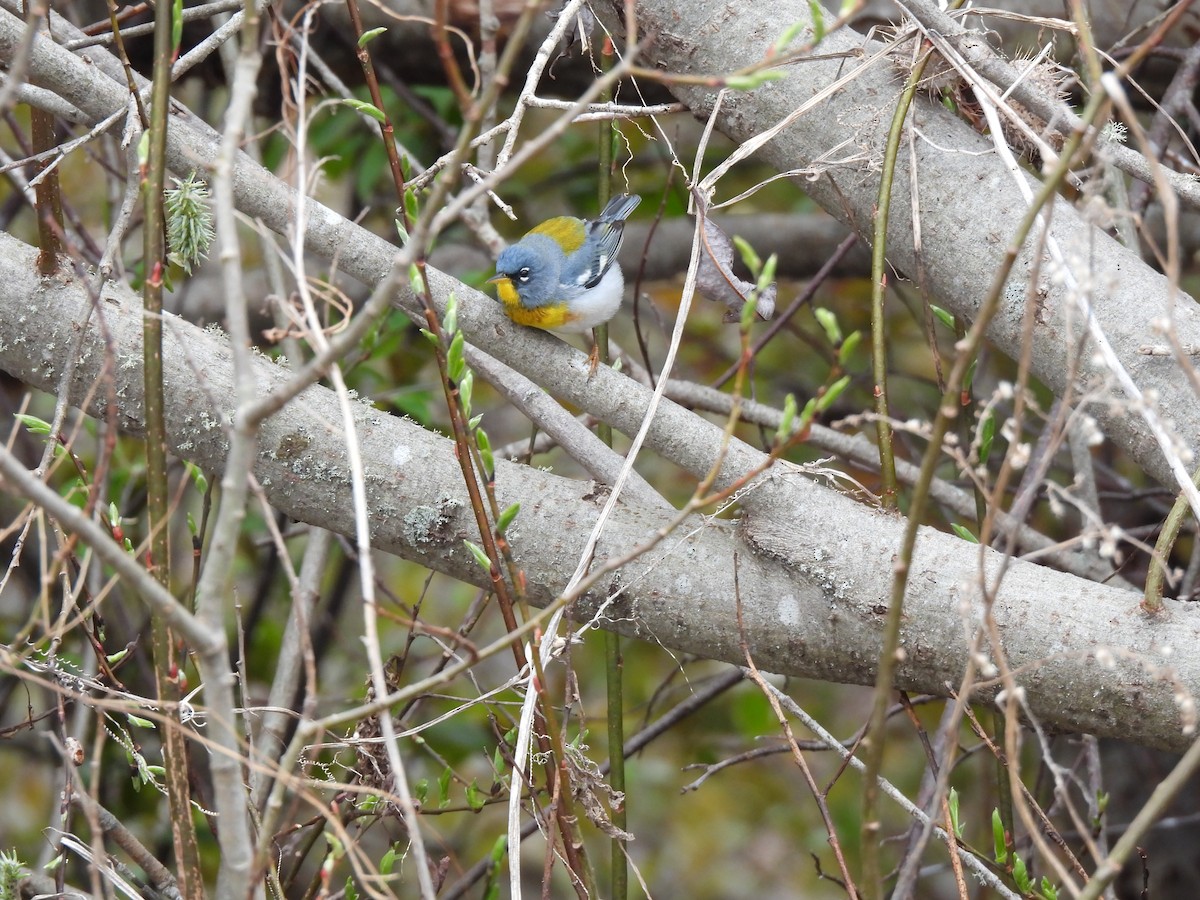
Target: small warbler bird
563, 275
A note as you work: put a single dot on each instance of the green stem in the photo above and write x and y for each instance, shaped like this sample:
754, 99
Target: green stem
871, 883
1152, 598
168, 666
883, 203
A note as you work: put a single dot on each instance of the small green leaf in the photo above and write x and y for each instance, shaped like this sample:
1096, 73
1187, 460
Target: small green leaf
450, 319
368, 36
336, 848
444, 789
963, 532
33, 424
507, 516
987, 433
942, 316
114, 514
849, 345
767, 276
474, 421
193, 528
416, 280
411, 205
367, 109
952, 801
749, 256
138, 721
748, 310
480, 556
1020, 875
827, 399
143, 148
455, 364
351, 891
114, 658
784, 431
818, 20
1000, 848
499, 849
790, 34
810, 410
476, 799
401, 231
1048, 890
485, 453
753, 80
177, 24
198, 477
430, 336
969, 378
466, 389
829, 323
387, 861
421, 790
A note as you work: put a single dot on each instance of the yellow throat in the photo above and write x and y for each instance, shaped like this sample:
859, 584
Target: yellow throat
554, 315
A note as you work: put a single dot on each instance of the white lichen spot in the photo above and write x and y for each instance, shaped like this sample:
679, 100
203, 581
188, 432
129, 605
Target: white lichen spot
1114, 132
789, 611
1105, 658
401, 454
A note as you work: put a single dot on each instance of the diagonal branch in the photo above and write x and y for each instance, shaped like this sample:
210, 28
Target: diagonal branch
811, 584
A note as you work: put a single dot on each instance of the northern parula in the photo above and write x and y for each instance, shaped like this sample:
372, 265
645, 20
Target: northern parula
563, 275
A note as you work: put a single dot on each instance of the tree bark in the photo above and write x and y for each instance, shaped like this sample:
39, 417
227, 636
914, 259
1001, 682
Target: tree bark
814, 566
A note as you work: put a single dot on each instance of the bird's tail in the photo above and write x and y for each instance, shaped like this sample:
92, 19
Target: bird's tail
619, 207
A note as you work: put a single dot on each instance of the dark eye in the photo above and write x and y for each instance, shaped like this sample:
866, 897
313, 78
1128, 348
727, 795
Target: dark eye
523, 275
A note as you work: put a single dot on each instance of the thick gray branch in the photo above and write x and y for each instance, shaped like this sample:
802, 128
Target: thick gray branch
970, 205
814, 566
813, 591
969, 210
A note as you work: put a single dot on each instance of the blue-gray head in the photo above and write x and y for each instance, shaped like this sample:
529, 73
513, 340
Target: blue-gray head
533, 265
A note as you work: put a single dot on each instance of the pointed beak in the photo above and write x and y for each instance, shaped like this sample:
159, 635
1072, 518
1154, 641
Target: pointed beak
497, 278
